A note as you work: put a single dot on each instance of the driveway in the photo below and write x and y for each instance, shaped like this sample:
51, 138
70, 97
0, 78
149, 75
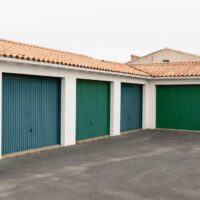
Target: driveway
155, 165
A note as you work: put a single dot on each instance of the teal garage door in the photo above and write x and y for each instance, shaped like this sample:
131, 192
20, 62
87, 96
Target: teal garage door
131, 106
178, 107
93, 109
31, 112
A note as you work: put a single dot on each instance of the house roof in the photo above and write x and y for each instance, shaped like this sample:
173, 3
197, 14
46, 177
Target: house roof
173, 69
46, 55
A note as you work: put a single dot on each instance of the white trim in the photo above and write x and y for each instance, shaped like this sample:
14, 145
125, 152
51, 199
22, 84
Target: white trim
149, 106
144, 106
177, 82
175, 78
115, 105
68, 111
67, 67
14, 60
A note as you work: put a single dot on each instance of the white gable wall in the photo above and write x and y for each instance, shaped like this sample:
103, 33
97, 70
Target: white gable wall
166, 54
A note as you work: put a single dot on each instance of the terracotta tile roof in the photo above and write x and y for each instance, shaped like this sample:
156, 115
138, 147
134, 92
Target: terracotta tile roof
176, 69
40, 54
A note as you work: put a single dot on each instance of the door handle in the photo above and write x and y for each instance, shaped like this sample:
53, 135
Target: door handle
90, 122
30, 130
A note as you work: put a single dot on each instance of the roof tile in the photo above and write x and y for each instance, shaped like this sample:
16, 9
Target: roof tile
35, 53
171, 69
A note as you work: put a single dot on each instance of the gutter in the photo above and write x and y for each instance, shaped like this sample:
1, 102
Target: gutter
176, 78
14, 60
168, 77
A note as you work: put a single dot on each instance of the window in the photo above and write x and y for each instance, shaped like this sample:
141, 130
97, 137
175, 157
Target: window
166, 60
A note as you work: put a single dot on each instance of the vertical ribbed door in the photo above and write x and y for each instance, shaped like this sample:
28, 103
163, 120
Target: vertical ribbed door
131, 106
178, 107
31, 112
93, 109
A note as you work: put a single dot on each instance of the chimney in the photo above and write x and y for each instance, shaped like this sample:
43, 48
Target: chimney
134, 57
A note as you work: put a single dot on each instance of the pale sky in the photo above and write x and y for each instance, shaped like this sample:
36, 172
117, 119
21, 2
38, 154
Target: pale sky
104, 29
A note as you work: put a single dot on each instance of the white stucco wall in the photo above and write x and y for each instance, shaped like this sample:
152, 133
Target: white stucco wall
151, 105
166, 54
68, 94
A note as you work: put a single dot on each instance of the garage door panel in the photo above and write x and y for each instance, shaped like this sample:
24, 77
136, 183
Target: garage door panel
93, 109
178, 107
131, 106
31, 112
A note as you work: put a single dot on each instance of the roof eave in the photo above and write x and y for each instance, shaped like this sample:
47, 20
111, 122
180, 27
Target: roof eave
175, 77
68, 67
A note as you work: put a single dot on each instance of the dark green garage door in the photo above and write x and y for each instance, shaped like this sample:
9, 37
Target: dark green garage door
93, 109
178, 107
31, 112
131, 106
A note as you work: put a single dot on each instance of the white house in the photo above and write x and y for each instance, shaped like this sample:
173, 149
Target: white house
164, 55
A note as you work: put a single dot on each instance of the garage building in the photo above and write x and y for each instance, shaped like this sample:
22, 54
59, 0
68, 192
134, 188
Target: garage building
51, 98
